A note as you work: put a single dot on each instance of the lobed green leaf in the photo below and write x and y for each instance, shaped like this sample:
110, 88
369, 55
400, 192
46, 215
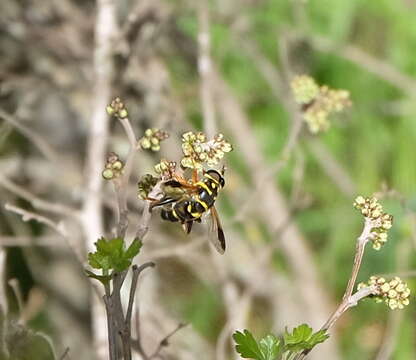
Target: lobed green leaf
268, 348
303, 338
112, 255
247, 345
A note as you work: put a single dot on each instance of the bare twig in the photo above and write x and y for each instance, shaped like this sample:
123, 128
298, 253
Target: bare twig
373, 65
359, 252
402, 274
111, 334
136, 273
403, 255
331, 167
28, 215
14, 284
35, 138
65, 354
35, 201
349, 299
143, 226
165, 341
272, 202
106, 33
121, 185
137, 343
4, 305
346, 304
205, 69
274, 169
29, 241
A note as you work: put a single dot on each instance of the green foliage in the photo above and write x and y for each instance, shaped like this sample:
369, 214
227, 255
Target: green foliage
112, 255
104, 279
303, 338
271, 348
266, 349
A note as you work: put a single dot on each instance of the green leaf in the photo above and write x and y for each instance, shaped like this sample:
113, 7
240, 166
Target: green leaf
104, 279
99, 261
303, 338
111, 254
299, 334
134, 248
270, 347
247, 345
317, 338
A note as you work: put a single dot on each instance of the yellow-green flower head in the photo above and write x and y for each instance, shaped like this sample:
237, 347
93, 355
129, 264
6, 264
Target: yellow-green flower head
371, 209
117, 109
113, 167
316, 119
378, 239
318, 103
198, 151
395, 293
304, 88
152, 138
165, 168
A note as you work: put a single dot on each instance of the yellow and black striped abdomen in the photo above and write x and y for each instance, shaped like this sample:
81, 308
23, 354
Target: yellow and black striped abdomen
192, 208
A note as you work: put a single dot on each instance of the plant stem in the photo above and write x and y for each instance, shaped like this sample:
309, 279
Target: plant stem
359, 252
349, 300
112, 340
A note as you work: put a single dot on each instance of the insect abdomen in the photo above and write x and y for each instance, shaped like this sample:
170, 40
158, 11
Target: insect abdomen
167, 214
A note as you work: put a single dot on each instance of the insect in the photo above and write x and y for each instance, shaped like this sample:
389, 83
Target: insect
187, 202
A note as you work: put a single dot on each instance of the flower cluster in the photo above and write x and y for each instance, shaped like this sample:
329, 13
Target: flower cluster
117, 109
197, 150
304, 88
165, 168
113, 167
318, 102
395, 293
145, 185
152, 138
371, 209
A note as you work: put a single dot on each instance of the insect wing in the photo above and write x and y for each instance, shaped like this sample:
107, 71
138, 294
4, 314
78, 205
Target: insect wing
216, 234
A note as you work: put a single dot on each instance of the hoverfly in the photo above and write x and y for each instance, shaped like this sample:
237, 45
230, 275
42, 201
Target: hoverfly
186, 202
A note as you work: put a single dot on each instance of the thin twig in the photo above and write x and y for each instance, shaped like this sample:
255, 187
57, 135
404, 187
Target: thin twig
205, 69
346, 304
165, 341
143, 226
35, 138
118, 314
121, 185
65, 354
273, 170
349, 299
382, 69
106, 32
35, 201
111, 333
28, 215
333, 168
359, 252
136, 273
29, 241
349, 302
14, 284
137, 343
